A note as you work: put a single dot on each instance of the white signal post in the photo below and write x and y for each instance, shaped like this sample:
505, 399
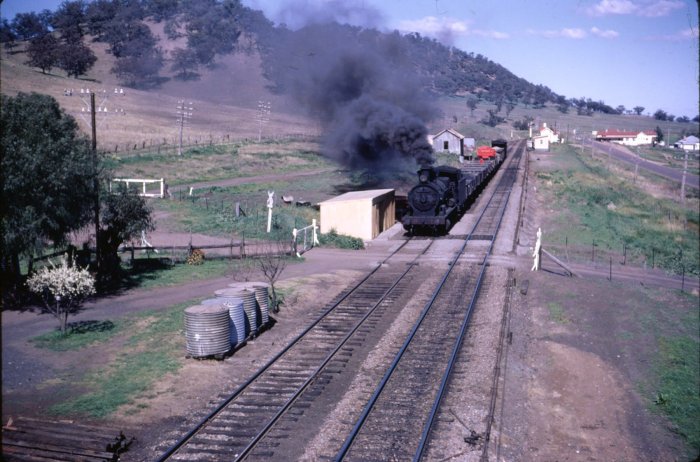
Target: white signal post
270, 203
537, 254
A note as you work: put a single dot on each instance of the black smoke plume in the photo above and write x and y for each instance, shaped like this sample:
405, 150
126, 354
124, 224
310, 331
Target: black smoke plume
361, 87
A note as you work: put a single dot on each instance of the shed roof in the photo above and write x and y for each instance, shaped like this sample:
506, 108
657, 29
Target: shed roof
451, 131
689, 140
359, 195
622, 133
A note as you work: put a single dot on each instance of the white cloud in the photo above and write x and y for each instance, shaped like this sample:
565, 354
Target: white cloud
605, 7
659, 8
490, 34
646, 8
446, 27
571, 33
685, 34
604, 33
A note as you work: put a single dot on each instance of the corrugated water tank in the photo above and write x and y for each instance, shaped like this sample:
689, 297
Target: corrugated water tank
207, 331
234, 305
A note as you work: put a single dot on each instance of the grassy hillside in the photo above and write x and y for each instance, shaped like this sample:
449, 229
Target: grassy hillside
224, 99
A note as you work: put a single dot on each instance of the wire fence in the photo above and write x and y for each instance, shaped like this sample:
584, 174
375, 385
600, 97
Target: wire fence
675, 261
163, 146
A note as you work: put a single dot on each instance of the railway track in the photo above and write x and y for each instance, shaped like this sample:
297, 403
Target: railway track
254, 421
398, 421
279, 391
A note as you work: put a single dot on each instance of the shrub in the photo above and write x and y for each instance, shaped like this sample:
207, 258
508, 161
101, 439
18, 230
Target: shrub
333, 239
62, 289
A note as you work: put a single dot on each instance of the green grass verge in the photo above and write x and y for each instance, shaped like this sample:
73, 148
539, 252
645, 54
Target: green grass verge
207, 163
556, 313
182, 273
80, 335
154, 348
216, 215
678, 369
119, 384
598, 207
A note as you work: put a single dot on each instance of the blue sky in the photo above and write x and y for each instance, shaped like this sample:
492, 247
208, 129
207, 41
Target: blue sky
629, 52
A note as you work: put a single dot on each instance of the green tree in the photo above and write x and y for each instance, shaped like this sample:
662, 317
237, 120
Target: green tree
46, 178
70, 19
659, 134
510, 105
43, 52
76, 58
7, 35
493, 119
124, 216
638, 109
27, 26
184, 64
660, 114
472, 103
140, 70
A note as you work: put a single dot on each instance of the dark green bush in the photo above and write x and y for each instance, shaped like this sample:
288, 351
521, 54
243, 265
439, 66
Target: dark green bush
333, 239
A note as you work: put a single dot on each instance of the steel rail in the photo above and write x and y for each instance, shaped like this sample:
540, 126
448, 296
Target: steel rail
497, 367
244, 452
212, 415
460, 338
378, 390
328, 358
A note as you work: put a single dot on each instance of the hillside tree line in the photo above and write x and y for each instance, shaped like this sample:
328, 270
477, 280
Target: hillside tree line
213, 28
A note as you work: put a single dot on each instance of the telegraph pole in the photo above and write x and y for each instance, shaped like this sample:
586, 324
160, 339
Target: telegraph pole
263, 116
96, 184
685, 173
184, 112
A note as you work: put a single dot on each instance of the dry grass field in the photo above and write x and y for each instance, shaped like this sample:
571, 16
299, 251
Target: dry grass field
225, 101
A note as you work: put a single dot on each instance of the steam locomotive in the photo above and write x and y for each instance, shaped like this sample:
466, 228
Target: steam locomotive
443, 193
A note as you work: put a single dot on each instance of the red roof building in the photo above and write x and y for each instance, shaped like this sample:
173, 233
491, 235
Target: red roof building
628, 138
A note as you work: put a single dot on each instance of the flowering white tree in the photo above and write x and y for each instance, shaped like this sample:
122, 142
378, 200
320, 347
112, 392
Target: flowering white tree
62, 289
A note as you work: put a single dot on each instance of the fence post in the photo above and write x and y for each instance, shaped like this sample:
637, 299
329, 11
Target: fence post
610, 269
294, 243
315, 236
624, 253
653, 257
593, 251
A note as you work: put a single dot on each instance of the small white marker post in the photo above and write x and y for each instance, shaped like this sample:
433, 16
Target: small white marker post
538, 251
270, 203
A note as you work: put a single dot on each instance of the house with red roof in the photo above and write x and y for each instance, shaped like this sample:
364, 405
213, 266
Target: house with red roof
627, 138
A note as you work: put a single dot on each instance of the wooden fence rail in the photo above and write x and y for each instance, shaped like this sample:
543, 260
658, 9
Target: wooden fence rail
244, 250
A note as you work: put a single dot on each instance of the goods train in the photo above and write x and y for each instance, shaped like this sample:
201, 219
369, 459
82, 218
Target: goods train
443, 193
